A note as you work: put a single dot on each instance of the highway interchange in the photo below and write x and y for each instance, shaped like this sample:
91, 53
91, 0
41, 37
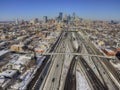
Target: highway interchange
58, 72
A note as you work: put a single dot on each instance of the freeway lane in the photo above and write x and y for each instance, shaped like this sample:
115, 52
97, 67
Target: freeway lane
41, 72
56, 71
70, 83
52, 62
53, 79
67, 61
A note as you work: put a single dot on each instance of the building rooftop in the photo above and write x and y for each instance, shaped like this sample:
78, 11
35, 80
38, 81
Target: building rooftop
7, 73
18, 45
4, 52
109, 50
23, 59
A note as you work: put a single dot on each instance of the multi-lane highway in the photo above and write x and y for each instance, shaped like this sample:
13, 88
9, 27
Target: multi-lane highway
40, 74
70, 83
53, 75
53, 79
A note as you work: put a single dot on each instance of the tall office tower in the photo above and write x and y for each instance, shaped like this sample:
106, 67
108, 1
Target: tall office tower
16, 21
69, 18
60, 16
45, 19
65, 18
73, 16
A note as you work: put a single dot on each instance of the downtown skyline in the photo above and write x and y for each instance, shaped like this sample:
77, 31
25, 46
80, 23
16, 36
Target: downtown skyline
29, 9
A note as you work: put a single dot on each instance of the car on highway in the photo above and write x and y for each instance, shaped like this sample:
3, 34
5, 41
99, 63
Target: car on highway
53, 79
57, 65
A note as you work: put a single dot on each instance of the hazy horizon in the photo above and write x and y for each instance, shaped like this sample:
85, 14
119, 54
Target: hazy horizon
89, 9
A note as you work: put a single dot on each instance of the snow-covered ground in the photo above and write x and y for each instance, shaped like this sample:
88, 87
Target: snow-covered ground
117, 65
81, 82
28, 75
26, 78
89, 61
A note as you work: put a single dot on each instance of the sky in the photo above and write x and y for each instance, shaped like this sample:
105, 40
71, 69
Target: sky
29, 9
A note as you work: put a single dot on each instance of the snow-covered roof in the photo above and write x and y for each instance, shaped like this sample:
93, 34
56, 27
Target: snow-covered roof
37, 48
50, 37
18, 45
8, 73
23, 59
2, 43
43, 43
26, 78
3, 52
116, 65
15, 86
2, 80
21, 37
109, 50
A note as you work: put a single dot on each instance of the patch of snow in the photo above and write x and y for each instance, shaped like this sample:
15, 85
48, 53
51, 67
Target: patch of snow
82, 83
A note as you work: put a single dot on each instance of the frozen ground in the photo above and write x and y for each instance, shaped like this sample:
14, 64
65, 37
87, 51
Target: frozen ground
81, 81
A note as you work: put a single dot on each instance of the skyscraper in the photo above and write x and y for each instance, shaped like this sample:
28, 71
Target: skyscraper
60, 16
16, 21
73, 16
45, 19
69, 17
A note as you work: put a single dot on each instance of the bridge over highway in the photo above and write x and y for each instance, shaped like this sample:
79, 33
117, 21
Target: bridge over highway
80, 54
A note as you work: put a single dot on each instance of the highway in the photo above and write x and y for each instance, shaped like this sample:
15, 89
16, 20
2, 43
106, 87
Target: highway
54, 76
41, 72
70, 83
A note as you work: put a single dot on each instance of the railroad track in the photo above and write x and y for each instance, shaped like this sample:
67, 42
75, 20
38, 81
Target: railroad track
98, 61
103, 64
106, 62
90, 52
95, 82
